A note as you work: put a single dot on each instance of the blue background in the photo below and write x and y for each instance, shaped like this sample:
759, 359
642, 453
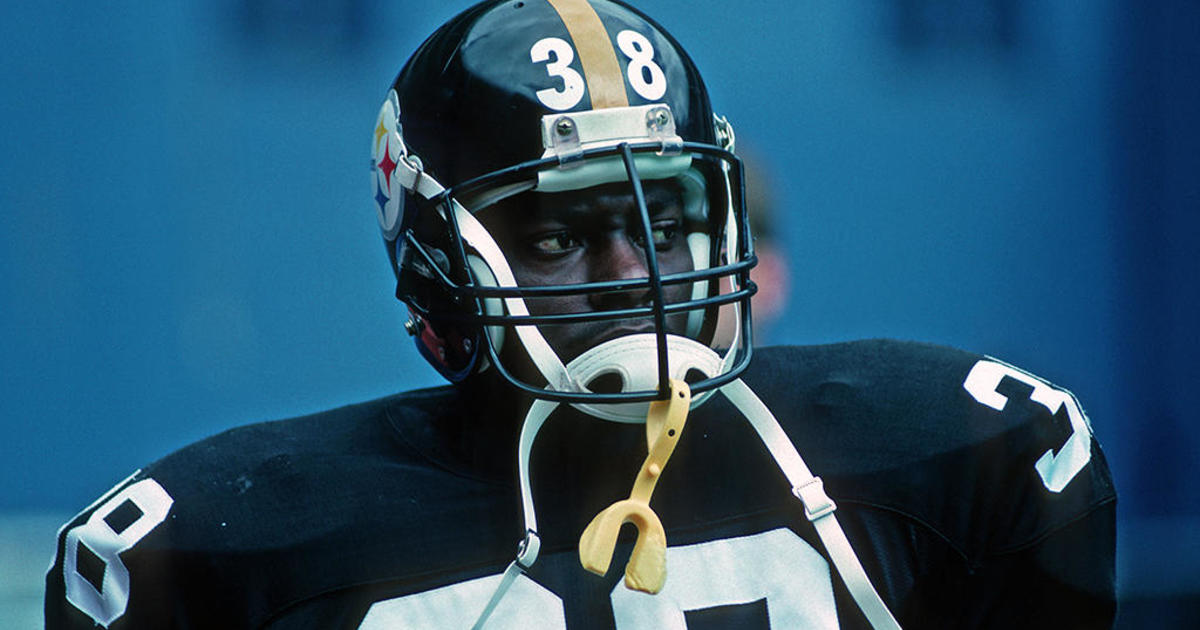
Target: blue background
188, 241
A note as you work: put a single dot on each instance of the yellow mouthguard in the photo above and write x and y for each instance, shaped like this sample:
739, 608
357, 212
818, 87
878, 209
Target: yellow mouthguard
647, 567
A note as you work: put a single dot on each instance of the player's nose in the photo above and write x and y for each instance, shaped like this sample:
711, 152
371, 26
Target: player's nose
620, 258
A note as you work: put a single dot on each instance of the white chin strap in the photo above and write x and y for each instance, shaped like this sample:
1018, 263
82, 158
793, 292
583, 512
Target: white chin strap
626, 358
818, 507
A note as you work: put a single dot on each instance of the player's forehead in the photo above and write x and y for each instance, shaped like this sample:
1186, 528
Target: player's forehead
615, 200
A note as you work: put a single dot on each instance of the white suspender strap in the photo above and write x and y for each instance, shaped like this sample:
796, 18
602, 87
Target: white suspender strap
527, 551
852, 572
538, 412
818, 507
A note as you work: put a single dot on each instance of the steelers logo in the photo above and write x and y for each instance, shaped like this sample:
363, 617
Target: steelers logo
385, 153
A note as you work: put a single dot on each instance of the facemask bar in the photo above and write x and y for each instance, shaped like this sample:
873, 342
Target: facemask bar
478, 292
656, 290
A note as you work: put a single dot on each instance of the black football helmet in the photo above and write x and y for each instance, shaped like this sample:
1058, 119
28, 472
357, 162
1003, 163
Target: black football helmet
513, 103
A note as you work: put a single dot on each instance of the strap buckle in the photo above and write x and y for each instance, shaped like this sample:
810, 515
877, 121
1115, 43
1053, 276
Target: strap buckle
527, 550
817, 504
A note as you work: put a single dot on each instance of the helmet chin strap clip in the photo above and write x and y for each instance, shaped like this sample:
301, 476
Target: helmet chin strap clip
646, 570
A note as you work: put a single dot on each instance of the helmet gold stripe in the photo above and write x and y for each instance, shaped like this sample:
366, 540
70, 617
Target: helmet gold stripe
601, 70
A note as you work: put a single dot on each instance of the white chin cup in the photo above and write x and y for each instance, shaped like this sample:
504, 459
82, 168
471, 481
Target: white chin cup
634, 359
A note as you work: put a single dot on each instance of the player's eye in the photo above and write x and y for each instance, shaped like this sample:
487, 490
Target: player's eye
663, 233
553, 243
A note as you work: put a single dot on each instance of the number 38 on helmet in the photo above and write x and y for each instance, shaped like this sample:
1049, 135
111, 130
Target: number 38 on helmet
521, 111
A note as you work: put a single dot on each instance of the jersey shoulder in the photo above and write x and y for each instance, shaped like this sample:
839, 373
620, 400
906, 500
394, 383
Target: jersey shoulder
883, 387
988, 454
233, 529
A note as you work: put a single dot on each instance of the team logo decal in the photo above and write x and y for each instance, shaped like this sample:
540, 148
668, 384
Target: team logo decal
385, 153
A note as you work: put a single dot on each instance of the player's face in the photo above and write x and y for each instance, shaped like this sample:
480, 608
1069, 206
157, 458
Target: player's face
591, 236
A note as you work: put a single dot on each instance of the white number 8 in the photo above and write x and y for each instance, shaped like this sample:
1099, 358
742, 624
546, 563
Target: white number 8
108, 603
641, 62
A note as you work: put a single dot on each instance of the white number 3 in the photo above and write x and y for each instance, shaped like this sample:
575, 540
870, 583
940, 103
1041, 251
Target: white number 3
149, 506
1056, 470
572, 88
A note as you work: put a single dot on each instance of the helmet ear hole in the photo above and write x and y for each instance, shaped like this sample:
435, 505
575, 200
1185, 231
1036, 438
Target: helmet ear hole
452, 350
607, 383
408, 260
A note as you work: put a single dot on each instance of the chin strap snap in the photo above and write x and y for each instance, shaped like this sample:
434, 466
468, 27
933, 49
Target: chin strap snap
527, 553
646, 570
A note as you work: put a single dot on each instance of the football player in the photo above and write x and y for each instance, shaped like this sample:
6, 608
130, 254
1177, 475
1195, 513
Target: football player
564, 216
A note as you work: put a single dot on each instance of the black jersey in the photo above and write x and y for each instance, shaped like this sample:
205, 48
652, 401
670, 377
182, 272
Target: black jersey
973, 493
